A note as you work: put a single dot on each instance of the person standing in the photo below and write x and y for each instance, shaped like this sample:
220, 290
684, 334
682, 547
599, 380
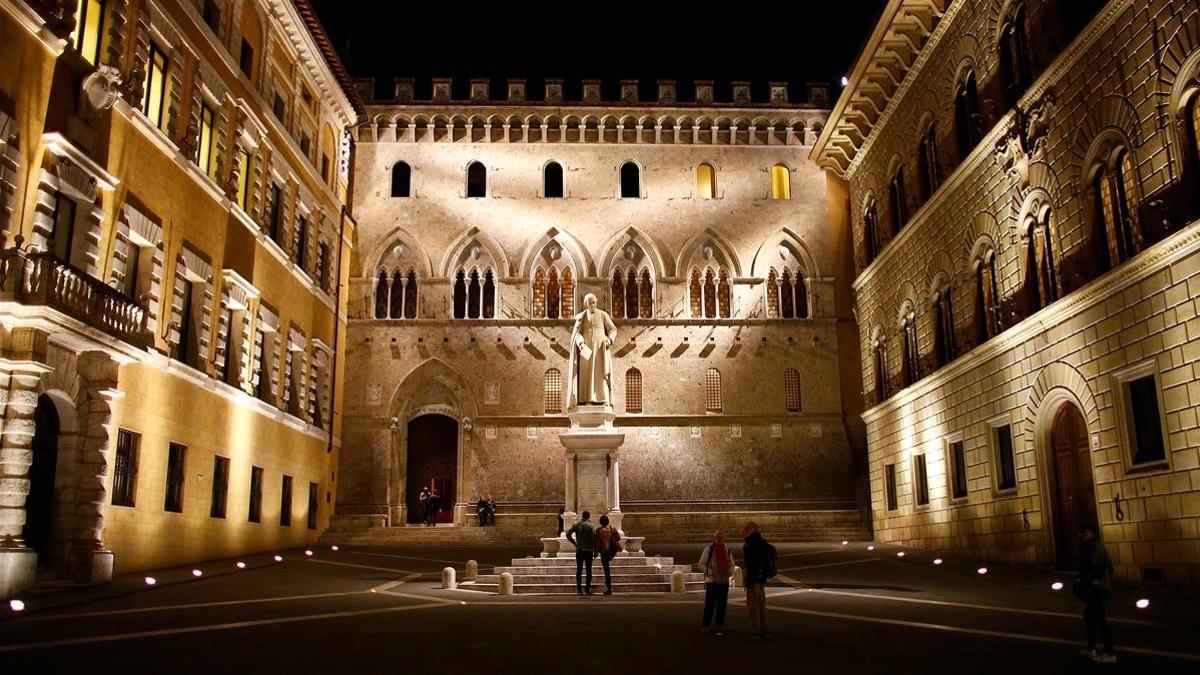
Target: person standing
559, 531
435, 505
424, 505
608, 545
760, 566
1093, 588
716, 562
481, 510
491, 510
582, 535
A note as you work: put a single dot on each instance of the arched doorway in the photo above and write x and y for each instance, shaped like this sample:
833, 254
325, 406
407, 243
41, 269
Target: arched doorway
39, 503
1072, 489
433, 463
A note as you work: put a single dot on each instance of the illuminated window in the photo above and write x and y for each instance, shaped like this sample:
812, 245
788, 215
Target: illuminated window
695, 295
889, 487
921, 475
401, 180
220, 486
176, 474
243, 185
987, 322
710, 295
553, 391
154, 94
285, 502
539, 293
1115, 188
791, 390
633, 391
724, 299
552, 294
204, 144
631, 294
125, 465
781, 182
568, 293
631, 181
646, 294
1194, 123
706, 181
713, 401
476, 180
256, 485
772, 295
617, 291
89, 29
552, 181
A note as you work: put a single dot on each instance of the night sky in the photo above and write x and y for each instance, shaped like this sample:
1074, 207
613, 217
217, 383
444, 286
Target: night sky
797, 42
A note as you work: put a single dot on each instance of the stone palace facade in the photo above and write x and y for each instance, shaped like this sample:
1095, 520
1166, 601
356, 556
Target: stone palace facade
173, 176
1024, 183
701, 226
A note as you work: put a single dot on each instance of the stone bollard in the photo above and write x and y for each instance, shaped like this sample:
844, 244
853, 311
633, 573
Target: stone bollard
736, 580
677, 583
448, 582
506, 583
472, 570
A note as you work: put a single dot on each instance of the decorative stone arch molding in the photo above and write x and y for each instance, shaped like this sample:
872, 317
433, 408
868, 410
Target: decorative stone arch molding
556, 246
474, 248
1113, 120
1179, 74
708, 248
772, 252
632, 246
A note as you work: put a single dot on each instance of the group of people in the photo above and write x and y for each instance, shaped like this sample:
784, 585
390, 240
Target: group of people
431, 503
485, 508
760, 565
716, 562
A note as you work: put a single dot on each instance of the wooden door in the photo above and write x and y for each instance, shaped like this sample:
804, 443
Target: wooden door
1073, 489
432, 463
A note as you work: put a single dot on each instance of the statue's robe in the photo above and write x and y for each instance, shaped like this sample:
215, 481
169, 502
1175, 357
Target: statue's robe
591, 376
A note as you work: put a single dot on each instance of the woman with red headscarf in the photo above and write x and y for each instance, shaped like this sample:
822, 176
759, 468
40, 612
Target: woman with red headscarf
716, 562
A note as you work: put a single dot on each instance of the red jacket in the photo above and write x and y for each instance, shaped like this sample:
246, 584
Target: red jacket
607, 538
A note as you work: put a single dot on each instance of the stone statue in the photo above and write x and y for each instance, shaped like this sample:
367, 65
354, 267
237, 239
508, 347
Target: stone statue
590, 364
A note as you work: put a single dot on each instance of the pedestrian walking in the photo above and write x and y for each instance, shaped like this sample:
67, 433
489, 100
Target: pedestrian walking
608, 545
425, 505
1093, 588
761, 565
716, 562
583, 535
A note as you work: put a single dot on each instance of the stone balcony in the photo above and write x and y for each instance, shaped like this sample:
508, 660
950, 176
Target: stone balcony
39, 279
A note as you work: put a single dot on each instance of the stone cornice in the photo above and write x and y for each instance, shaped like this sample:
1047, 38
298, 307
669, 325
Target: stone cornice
30, 20
1147, 263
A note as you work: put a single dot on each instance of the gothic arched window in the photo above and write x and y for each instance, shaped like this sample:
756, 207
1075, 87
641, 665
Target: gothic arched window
1115, 187
553, 186
646, 294
631, 295
781, 182
881, 375
631, 180
633, 391
618, 294
381, 295
897, 201
967, 120
475, 294
1015, 59
476, 180
460, 295
910, 365
943, 318
553, 289
871, 234
539, 293
706, 181
927, 162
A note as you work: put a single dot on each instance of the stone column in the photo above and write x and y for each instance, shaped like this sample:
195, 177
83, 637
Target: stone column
19, 387
90, 561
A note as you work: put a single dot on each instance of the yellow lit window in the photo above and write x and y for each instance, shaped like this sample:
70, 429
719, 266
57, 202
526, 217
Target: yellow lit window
781, 184
243, 190
1129, 185
553, 391
706, 181
89, 27
204, 146
155, 89
713, 402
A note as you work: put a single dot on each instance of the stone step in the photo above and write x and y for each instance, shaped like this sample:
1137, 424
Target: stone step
619, 561
616, 569
597, 574
569, 588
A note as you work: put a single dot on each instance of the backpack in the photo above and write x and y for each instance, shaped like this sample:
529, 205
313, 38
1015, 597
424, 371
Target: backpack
771, 564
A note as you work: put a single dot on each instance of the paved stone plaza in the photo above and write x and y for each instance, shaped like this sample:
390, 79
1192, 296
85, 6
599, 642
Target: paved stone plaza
833, 609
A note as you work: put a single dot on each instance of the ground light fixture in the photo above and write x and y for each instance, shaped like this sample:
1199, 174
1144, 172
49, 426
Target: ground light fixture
845, 81
278, 558
982, 570
241, 565
1056, 586
308, 552
197, 573
333, 548
16, 605
150, 581
870, 548
937, 561
844, 542
900, 554
1142, 603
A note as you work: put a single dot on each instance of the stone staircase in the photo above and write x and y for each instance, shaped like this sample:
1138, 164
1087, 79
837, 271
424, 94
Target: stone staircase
631, 573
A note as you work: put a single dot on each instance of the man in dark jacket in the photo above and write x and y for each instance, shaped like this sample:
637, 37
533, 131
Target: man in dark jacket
435, 505
1094, 569
756, 553
583, 536
425, 511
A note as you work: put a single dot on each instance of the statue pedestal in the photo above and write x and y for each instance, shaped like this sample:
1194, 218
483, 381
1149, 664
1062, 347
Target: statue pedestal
593, 472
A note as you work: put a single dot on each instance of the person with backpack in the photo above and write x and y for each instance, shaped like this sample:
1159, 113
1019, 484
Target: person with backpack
716, 562
761, 565
582, 536
608, 545
1092, 587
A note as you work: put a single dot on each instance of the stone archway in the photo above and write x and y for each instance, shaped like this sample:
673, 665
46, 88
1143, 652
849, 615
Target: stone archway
432, 462
43, 470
